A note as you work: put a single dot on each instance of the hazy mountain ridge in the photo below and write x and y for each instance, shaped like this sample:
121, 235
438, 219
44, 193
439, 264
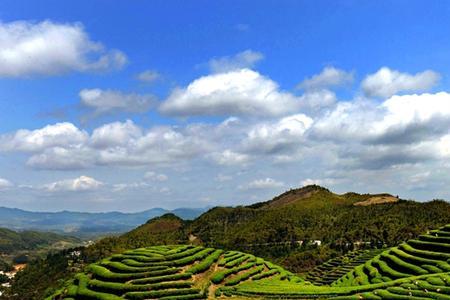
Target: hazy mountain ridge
85, 224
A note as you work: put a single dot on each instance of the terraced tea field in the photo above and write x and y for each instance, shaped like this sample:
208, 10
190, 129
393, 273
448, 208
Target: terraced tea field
169, 272
335, 268
418, 269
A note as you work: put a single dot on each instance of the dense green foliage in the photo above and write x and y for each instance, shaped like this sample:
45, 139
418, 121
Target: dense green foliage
5, 266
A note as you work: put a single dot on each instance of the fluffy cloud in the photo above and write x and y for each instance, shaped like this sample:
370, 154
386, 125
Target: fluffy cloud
277, 137
5, 184
115, 134
329, 77
148, 76
229, 157
266, 183
82, 183
60, 158
386, 82
241, 92
64, 146
314, 101
109, 101
60, 134
48, 48
398, 120
245, 59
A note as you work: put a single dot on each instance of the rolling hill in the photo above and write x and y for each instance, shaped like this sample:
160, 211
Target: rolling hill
12, 241
418, 269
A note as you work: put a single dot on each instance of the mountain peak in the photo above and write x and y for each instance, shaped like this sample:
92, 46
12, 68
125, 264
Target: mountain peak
293, 196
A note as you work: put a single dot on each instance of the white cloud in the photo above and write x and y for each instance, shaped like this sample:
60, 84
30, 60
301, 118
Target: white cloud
82, 183
245, 59
108, 101
229, 157
266, 183
329, 77
60, 158
153, 176
115, 134
386, 82
399, 119
313, 101
279, 136
64, 146
242, 92
60, 134
5, 184
148, 76
48, 48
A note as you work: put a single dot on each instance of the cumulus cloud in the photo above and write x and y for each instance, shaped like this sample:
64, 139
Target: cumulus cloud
314, 101
115, 134
109, 101
329, 77
387, 82
82, 183
398, 120
64, 146
49, 48
245, 59
5, 184
60, 134
266, 183
277, 137
229, 157
60, 158
148, 76
241, 92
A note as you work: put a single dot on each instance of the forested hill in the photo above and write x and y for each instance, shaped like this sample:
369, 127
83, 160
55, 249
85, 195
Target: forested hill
306, 214
12, 241
273, 230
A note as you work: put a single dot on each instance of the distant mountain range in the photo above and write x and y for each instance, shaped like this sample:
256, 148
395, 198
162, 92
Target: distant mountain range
84, 224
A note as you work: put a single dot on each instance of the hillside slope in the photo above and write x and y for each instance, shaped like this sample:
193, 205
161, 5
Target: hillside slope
12, 241
169, 272
183, 272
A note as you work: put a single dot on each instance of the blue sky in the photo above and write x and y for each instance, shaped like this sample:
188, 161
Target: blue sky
183, 103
